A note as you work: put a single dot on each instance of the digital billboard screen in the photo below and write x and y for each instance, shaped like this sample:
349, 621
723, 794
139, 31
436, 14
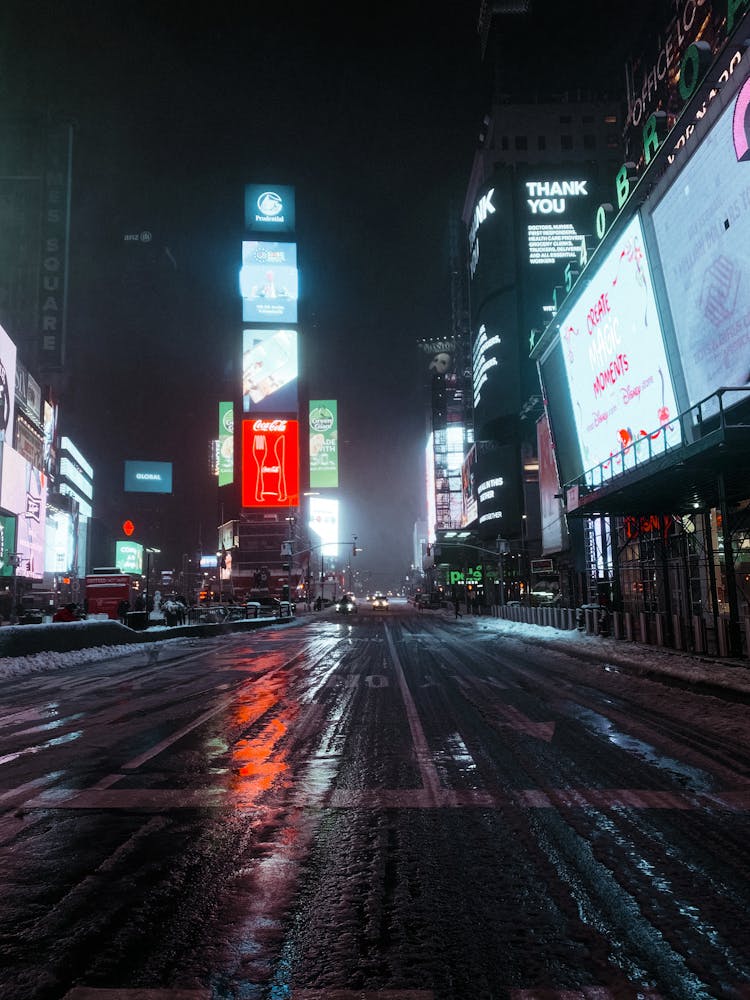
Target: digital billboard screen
269, 371
701, 228
324, 443
269, 208
23, 492
7, 385
225, 461
270, 462
148, 477
269, 283
616, 364
324, 522
129, 556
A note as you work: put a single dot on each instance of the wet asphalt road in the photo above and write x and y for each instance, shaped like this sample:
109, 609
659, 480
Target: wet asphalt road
398, 806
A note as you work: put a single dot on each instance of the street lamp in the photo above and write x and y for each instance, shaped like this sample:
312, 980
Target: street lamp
149, 553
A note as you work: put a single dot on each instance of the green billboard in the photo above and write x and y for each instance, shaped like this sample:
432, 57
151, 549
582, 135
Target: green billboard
129, 557
324, 443
226, 444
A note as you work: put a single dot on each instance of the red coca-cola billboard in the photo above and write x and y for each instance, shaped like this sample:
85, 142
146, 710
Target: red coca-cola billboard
270, 462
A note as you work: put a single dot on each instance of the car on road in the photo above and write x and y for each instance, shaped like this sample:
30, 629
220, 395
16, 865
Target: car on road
346, 605
380, 603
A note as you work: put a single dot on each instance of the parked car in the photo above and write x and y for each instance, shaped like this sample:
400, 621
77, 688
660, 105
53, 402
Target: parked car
346, 605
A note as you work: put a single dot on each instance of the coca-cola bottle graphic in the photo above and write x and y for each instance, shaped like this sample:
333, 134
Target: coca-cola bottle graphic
279, 451
260, 448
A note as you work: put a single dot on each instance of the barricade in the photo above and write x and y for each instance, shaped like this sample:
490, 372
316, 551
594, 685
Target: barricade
628, 622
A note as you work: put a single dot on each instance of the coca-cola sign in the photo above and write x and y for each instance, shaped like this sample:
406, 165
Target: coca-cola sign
270, 462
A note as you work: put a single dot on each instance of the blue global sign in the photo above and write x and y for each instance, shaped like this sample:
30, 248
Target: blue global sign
148, 477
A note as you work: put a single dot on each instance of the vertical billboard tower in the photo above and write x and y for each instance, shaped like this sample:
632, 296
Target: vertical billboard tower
269, 288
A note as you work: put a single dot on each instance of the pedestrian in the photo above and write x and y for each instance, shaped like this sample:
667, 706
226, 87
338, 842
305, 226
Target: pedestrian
123, 609
455, 607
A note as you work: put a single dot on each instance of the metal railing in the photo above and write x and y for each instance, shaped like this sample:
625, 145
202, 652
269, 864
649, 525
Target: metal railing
712, 414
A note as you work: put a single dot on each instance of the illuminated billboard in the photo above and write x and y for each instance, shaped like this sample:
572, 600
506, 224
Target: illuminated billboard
269, 208
7, 385
701, 228
270, 462
148, 477
7, 544
269, 371
226, 444
469, 487
498, 479
613, 348
324, 522
129, 556
554, 527
269, 282
324, 444
23, 492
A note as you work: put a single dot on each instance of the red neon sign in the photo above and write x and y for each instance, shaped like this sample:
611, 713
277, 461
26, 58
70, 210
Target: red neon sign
270, 462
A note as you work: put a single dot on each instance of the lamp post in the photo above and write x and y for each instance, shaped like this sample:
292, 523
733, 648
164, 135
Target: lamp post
15, 561
149, 553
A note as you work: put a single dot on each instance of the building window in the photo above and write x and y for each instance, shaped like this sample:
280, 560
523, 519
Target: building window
504, 142
566, 142
565, 119
522, 142
541, 142
589, 141
613, 142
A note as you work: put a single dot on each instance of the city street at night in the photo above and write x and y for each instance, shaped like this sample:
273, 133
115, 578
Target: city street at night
394, 804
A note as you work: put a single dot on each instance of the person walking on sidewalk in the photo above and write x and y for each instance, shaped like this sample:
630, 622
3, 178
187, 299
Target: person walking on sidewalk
455, 607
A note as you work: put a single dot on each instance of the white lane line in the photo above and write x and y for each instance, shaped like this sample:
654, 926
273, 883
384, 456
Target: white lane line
167, 799
90, 993
222, 706
361, 994
426, 765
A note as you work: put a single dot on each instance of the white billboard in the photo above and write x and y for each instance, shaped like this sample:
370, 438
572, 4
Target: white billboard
620, 384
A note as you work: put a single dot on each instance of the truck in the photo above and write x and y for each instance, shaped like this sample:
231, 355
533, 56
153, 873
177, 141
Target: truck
105, 590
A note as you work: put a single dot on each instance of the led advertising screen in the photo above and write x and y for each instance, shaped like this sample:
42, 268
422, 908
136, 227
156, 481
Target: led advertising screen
701, 226
148, 477
270, 462
469, 487
616, 364
498, 473
7, 544
269, 371
59, 542
226, 443
324, 443
495, 364
324, 522
554, 527
269, 282
7, 385
269, 208
23, 491
129, 557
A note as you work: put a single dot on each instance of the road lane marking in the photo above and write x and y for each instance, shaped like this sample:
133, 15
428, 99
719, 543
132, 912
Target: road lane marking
426, 764
167, 799
93, 993
334, 994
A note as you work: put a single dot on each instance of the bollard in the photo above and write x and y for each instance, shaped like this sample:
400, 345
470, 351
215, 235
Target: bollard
590, 622
571, 619
722, 637
628, 617
679, 642
617, 624
643, 625
659, 629
699, 635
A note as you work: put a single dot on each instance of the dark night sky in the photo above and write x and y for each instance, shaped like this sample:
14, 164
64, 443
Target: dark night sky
371, 112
